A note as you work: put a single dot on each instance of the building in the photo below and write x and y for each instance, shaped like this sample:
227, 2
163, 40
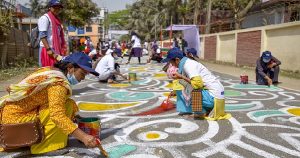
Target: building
96, 30
271, 12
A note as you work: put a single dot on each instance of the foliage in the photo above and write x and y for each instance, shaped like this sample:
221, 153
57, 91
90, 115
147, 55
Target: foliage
76, 12
37, 7
119, 18
79, 13
6, 20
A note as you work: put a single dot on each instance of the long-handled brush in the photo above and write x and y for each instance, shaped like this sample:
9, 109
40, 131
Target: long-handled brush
103, 152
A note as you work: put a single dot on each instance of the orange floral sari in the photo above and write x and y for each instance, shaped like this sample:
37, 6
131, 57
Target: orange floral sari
33, 83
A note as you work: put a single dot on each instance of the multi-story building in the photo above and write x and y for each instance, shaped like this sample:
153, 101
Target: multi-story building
96, 31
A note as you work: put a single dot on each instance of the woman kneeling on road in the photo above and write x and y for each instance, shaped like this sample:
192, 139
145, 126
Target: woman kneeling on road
47, 93
190, 72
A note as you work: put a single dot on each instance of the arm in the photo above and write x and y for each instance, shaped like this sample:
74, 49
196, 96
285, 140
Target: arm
57, 96
260, 69
276, 61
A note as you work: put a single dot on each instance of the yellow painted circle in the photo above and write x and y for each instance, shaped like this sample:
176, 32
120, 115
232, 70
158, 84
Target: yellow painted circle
152, 135
294, 111
120, 85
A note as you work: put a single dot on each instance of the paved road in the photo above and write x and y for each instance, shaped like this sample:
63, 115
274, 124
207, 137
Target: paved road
265, 120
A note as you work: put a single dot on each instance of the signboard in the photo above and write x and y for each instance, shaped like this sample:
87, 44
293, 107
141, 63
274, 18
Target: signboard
80, 30
71, 28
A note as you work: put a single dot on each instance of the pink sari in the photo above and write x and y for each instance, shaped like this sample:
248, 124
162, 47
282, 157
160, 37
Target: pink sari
58, 42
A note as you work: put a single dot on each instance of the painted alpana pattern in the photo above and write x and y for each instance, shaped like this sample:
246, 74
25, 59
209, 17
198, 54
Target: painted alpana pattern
265, 120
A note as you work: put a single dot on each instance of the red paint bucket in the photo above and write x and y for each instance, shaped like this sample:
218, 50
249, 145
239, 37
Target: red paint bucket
90, 125
244, 79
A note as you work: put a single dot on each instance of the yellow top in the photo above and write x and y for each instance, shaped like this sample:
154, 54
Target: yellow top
54, 97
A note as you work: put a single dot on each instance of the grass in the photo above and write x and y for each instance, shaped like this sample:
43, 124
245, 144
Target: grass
20, 66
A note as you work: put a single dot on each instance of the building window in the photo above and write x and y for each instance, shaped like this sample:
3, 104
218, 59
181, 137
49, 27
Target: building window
89, 29
100, 30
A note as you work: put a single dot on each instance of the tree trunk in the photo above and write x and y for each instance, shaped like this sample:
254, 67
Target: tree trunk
4, 52
240, 15
196, 12
208, 15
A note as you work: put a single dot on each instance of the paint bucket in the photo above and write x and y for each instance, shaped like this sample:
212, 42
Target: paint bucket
132, 77
244, 79
90, 125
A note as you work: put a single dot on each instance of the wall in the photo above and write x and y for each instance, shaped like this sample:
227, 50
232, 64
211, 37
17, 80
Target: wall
16, 45
284, 43
226, 51
243, 47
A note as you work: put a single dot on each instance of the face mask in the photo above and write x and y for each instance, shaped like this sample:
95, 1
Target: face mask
266, 60
72, 79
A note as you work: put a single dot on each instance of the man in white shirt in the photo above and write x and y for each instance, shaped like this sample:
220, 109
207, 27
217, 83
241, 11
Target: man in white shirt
107, 68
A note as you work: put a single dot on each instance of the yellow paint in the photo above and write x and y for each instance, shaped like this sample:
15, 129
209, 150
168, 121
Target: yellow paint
294, 111
166, 94
170, 85
121, 85
141, 69
152, 135
88, 106
160, 75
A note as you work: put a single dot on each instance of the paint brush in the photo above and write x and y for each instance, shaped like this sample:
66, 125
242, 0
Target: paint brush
103, 152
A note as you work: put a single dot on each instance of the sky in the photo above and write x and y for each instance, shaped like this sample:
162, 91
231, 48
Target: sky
112, 5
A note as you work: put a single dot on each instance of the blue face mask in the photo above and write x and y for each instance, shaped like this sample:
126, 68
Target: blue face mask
72, 79
266, 60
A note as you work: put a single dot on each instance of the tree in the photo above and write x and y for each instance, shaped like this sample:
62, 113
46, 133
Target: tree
36, 7
119, 18
240, 8
6, 24
76, 12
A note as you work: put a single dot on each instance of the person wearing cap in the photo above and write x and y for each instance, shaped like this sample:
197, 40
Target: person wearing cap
108, 69
47, 91
192, 54
267, 69
52, 44
199, 77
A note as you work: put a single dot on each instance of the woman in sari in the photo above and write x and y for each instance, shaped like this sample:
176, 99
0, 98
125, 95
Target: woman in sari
51, 34
48, 91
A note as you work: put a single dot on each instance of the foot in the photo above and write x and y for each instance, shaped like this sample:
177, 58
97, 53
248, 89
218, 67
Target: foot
127, 62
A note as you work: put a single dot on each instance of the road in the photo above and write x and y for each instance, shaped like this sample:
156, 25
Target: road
265, 120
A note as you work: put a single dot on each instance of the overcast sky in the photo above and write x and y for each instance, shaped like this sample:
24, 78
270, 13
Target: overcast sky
112, 5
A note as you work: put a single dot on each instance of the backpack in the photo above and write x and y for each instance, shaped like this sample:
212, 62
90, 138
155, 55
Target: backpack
34, 37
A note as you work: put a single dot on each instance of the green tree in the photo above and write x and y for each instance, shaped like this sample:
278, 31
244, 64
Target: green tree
119, 18
240, 8
6, 24
76, 12
79, 13
37, 7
